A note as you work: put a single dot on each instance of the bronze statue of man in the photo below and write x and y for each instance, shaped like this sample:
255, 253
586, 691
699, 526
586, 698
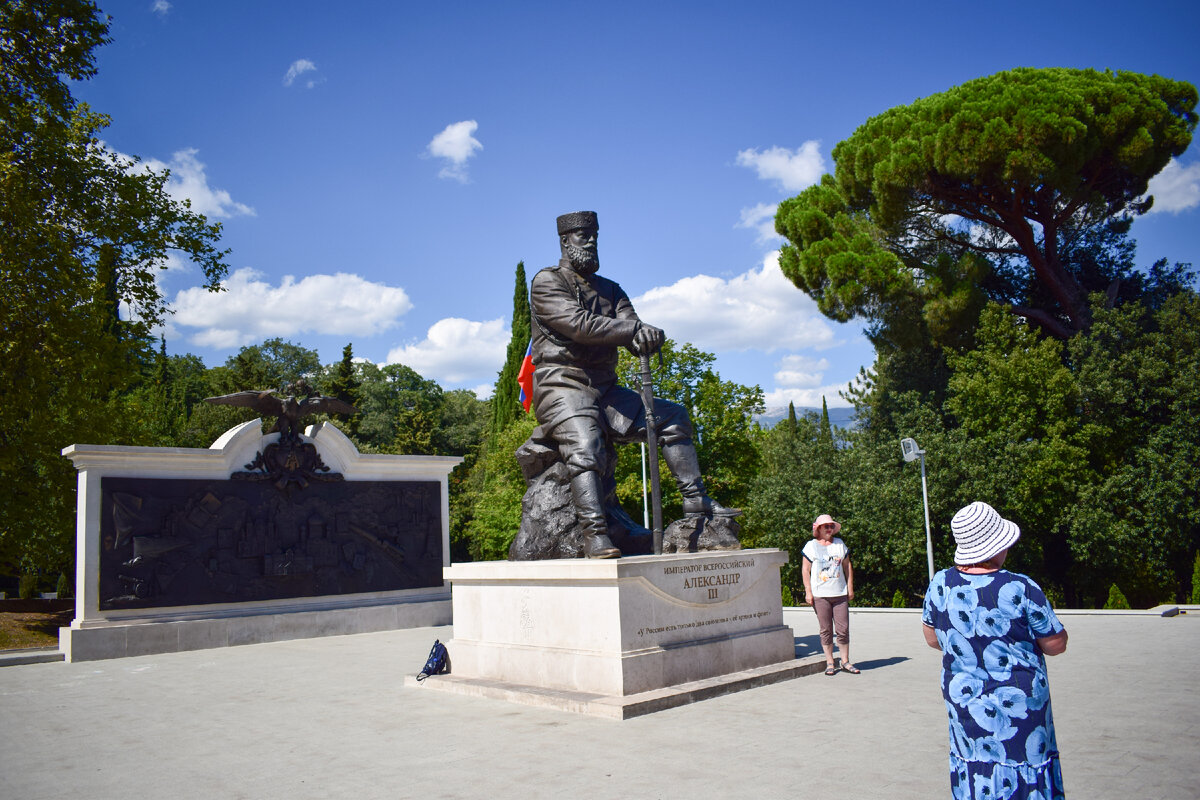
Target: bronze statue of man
579, 321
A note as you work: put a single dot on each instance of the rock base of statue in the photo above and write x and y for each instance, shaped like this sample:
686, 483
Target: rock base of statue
549, 528
619, 637
700, 534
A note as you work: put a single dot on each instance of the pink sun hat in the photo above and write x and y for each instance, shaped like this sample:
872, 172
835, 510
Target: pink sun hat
825, 519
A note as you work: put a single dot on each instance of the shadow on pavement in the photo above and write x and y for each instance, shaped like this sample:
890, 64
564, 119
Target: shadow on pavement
808, 646
879, 663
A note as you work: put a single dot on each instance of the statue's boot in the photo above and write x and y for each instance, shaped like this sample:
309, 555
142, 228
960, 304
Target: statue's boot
682, 461
588, 496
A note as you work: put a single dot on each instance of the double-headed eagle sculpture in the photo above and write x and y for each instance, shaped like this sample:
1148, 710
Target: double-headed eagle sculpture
301, 401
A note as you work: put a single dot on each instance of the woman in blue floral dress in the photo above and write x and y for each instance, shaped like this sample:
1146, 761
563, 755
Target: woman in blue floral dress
993, 628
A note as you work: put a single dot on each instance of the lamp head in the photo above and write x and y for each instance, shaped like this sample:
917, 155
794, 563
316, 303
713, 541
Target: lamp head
910, 450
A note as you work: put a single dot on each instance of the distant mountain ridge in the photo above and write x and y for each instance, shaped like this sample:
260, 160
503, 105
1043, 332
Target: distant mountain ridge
838, 417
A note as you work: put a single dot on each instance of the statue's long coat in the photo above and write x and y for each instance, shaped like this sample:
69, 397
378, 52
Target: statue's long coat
578, 324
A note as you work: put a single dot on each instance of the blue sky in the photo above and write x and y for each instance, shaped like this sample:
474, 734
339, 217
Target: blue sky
380, 167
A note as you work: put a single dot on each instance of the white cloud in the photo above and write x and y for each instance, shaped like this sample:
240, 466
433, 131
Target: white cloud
298, 68
188, 182
456, 350
456, 145
761, 218
799, 379
758, 310
792, 171
176, 265
160, 7
1176, 188
252, 309
806, 398
799, 371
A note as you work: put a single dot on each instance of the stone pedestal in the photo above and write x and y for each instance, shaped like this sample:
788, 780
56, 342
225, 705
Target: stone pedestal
611, 630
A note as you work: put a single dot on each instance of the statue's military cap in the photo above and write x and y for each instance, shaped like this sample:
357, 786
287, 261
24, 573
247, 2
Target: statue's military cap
577, 220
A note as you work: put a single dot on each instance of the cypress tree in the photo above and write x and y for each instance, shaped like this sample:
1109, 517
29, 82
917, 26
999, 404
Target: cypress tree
346, 386
826, 428
506, 404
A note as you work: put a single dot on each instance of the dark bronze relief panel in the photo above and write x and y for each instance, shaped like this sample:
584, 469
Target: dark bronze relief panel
192, 542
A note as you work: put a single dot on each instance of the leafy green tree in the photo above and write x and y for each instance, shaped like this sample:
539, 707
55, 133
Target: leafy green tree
159, 408
465, 486
1116, 601
208, 422
403, 413
1000, 189
722, 423
461, 433
417, 405
82, 234
497, 511
376, 417
1017, 406
1194, 597
798, 480
63, 589
898, 372
1139, 377
463, 422
271, 365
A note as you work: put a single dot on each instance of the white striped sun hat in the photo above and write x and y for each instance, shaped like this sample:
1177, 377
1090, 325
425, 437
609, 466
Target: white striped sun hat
980, 533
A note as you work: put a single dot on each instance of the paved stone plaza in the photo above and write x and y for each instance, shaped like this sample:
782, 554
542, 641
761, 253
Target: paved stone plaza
331, 718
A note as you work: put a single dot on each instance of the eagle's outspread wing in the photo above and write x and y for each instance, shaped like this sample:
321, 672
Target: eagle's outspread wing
261, 400
325, 405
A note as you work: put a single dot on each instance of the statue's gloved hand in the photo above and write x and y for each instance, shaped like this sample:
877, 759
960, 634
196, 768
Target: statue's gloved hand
648, 339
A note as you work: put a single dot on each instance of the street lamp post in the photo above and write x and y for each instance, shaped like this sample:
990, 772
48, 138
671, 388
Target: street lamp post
911, 452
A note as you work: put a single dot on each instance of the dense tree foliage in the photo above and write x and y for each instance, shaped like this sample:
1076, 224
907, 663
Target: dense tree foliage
83, 233
722, 421
800, 475
1000, 189
496, 513
1090, 446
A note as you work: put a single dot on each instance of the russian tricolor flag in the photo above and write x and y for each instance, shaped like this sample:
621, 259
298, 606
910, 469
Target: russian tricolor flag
525, 378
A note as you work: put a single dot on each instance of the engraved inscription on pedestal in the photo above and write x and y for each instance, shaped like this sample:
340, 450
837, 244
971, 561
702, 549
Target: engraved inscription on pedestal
192, 542
705, 582
696, 626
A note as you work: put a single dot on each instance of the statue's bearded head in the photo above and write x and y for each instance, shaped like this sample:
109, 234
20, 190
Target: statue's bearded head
577, 235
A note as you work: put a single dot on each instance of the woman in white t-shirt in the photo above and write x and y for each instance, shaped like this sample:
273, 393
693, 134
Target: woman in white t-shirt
829, 588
